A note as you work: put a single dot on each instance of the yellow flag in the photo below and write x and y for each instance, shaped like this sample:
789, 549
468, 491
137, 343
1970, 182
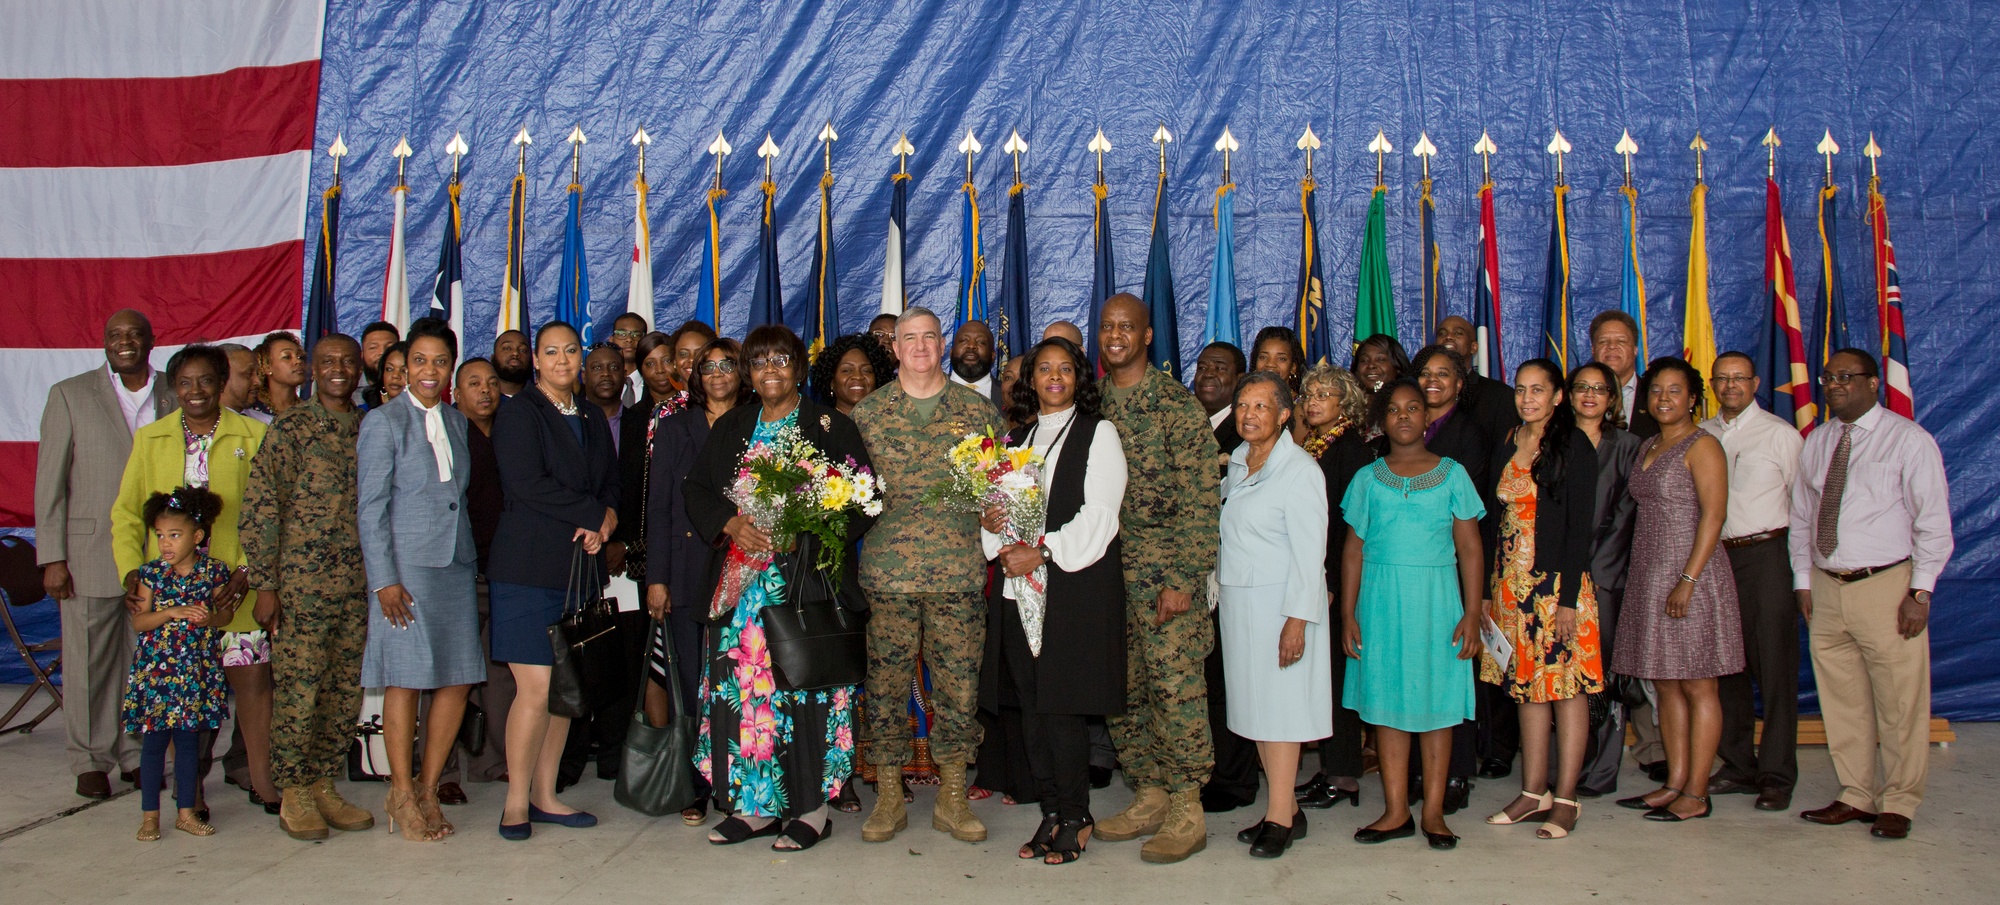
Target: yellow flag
1698, 328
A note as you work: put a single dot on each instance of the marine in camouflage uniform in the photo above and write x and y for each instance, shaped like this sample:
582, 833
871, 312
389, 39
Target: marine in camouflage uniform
300, 540
925, 577
1169, 526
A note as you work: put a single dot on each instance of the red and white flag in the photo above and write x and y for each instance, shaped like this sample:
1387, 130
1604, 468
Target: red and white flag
152, 156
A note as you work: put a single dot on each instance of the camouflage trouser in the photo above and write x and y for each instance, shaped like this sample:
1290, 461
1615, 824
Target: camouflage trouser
1163, 736
950, 630
316, 668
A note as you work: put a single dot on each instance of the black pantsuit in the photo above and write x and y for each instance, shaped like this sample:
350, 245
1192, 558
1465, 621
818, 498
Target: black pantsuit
1771, 657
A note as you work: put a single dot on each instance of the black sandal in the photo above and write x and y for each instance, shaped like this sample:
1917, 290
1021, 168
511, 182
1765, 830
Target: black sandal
1038, 846
736, 829
1072, 837
803, 834
849, 800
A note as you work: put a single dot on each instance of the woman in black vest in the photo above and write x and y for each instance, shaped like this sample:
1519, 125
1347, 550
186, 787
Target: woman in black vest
1056, 636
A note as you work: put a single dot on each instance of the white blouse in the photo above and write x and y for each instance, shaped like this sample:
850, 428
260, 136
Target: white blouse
1082, 541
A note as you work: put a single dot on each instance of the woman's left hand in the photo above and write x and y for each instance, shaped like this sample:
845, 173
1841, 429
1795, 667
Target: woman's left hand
1677, 600
1291, 641
994, 519
1019, 559
232, 593
592, 541
1466, 637
1565, 625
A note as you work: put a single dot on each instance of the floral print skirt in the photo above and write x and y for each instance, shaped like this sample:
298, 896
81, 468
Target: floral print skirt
766, 752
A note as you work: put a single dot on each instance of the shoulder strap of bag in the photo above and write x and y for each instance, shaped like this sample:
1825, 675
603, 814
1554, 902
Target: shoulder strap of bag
673, 671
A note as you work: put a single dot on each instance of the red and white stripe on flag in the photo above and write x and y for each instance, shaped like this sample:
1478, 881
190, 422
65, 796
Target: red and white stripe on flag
152, 156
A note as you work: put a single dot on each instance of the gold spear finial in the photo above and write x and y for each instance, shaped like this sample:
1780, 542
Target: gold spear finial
1698, 146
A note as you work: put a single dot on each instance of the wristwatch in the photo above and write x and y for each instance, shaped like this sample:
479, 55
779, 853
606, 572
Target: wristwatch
1047, 557
1923, 597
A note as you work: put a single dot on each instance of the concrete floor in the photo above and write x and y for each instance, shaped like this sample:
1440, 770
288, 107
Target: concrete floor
55, 847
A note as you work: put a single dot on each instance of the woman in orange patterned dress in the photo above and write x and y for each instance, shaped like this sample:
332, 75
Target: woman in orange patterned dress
1541, 517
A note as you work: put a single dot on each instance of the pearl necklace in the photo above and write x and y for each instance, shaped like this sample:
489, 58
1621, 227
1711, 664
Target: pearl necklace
567, 408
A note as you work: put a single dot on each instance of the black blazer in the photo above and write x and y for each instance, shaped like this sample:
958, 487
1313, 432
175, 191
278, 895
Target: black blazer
632, 487
709, 508
1461, 439
1616, 511
552, 486
1491, 403
675, 556
1082, 666
1565, 518
1343, 459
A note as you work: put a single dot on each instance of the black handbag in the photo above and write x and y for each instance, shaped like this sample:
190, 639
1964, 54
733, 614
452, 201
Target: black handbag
571, 635
814, 641
472, 729
656, 766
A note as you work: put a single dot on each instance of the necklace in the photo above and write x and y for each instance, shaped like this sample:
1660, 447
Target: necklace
567, 408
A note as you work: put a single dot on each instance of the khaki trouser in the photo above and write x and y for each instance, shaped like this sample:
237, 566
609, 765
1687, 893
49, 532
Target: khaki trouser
97, 655
1874, 690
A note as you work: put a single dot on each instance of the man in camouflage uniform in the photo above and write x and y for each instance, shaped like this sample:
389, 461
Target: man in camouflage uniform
299, 538
925, 577
1169, 525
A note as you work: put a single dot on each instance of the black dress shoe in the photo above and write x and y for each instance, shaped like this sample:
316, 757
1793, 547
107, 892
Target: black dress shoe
130, 777
1100, 777
1457, 794
1495, 768
1443, 842
1317, 785
1655, 771
1588, 792
1639, 802
1273, 839
1327, 796
1774, 798
1368, 836
607, 768
94, 785
1218, 801
1727, 786
1248, 834
1664, 814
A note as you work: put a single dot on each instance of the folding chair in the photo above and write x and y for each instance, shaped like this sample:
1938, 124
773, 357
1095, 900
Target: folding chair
21, 585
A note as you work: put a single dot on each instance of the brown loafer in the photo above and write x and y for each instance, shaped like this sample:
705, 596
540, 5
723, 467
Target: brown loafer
1838, 813
451, 793
94, 785
1890, 826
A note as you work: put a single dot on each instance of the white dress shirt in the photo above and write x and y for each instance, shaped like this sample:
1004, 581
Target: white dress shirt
1083, 540
1896, 504
135, 405
1215, 420
434, 431
1628, 392
983, 386
1763, 453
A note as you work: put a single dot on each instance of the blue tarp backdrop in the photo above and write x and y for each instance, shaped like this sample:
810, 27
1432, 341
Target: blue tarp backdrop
1910, 73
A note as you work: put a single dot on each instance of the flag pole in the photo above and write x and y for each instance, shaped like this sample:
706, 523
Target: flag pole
1827, 148
522, 141
1485, 149
576, 141
719, 148
1698, 146
1559, 146
903, 149
1308, 143
1226, 144
337, 151
1016, 147
1771, 142
1379, 147
640, 139
1161, 138
1098, 145
401, 152
1627, 148
457, 149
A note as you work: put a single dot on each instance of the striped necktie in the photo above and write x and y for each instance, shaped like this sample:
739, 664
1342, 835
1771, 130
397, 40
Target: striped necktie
1826, 536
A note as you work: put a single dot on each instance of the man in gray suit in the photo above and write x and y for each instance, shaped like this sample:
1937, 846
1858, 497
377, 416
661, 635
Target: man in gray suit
86, 438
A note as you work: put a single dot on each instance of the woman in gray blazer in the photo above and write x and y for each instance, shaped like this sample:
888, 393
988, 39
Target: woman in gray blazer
416, 539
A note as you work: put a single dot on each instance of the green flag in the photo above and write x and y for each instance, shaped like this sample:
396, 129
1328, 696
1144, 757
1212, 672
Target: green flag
1374, 303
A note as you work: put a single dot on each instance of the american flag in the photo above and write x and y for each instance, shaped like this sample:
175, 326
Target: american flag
1889, 304
153, 156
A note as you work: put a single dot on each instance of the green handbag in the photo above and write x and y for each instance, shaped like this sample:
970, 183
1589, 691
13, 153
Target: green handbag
656, 766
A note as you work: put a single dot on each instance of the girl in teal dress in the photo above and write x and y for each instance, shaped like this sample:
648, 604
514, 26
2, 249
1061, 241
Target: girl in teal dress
1411, 579
176, 686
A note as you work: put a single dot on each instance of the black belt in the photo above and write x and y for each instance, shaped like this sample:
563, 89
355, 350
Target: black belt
1758, 538
1858, 574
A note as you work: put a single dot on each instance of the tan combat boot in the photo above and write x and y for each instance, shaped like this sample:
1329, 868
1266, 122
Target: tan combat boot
952, 814
337, 811
1140, 818
889, 817
299, 817
1181, 834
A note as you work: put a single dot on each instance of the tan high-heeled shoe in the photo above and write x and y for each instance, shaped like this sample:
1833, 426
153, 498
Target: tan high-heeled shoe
428, 804
402, 808
1552, 830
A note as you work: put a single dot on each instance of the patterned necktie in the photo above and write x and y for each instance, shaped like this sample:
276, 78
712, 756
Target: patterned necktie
1827, 535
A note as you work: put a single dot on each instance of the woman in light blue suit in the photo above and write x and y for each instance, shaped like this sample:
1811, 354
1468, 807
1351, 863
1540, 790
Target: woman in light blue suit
1277, 654
416, 539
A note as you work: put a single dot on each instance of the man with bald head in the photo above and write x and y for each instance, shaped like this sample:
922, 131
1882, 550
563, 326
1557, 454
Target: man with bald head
86, 437
1490, 402
1066, 330
1168, 524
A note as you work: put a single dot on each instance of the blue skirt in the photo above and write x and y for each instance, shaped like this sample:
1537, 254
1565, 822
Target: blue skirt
440, 647
521, 617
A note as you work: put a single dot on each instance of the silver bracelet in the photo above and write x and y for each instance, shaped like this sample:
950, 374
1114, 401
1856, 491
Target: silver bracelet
1688, 578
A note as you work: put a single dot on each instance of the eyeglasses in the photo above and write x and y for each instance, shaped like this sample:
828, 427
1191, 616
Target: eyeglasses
1327, 395
626, 334
719, 366
1833, 379
780, 361
1591, 389
1731, 379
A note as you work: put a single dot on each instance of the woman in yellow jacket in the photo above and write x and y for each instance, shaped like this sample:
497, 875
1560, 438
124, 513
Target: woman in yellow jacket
202, 443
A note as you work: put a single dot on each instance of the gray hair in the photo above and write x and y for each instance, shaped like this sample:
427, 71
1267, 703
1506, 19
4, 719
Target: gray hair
916, 311
1278, 386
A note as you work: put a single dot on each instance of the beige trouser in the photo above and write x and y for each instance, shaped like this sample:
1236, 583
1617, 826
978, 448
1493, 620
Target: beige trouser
1874, 690
97, 655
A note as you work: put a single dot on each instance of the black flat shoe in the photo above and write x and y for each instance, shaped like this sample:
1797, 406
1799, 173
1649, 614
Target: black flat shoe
1639, 802
1664, 815
1443, 842
1655, 771
1457, 794
270, 807
1100, 778
1217, 801
736, 829
1495, 768
1368, 836
1273, 840
1248, 834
